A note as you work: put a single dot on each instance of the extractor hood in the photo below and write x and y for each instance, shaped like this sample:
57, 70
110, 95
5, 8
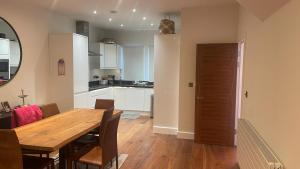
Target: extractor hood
82, 28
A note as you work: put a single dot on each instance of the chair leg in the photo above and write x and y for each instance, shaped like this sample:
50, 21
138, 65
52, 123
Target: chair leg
53, 165
75, 164
117, 161
87, 166
69, 164
111, 163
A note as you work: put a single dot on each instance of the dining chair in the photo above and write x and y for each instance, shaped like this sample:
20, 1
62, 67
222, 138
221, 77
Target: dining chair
107, 149
99, 104
92, 139
104, 104
50, 110
11, 155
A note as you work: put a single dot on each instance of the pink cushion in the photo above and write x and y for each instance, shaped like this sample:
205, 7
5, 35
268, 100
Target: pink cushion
27, 114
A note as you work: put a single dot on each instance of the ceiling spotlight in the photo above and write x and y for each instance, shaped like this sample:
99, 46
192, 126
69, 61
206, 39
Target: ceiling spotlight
110, 19
144, 18
95, 12
133, 10
152, 24
122, 25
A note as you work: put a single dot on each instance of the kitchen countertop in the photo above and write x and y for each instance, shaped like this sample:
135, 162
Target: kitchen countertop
99, 86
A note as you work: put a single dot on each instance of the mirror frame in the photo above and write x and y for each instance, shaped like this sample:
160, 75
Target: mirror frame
21, 51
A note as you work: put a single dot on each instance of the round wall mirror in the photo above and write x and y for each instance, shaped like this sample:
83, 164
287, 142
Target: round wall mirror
10, 52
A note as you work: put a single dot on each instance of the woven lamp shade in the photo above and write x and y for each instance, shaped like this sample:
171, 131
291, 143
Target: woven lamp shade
167, 26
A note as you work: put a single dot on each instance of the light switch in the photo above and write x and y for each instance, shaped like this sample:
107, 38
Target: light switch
191, 84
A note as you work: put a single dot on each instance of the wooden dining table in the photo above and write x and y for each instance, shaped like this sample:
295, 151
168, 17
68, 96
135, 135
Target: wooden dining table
56, 132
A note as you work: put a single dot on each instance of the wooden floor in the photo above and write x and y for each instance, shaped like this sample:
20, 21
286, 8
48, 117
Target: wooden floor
154, 151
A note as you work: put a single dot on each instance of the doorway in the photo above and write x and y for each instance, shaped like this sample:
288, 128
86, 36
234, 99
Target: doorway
216, 78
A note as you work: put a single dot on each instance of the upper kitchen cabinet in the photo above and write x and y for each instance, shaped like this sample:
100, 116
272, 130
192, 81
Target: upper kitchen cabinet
4, 48
109, 56
14, 54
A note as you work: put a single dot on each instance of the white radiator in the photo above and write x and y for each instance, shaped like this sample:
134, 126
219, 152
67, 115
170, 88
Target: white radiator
252, 150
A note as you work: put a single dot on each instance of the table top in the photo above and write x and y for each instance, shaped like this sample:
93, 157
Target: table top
54, 132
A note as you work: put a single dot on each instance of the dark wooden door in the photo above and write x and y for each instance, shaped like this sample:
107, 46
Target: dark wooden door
215, 94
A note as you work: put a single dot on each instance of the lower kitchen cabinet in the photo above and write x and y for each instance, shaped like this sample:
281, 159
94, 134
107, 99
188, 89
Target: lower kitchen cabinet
134, 99
126, 98
106, 93
147, 99
81, 100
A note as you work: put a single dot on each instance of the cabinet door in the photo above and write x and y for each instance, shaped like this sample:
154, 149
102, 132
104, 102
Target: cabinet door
119, 97
14, 54
134, 99
120, 57
147, 99
4, 48
102, 56
106, 93
80, 63
81, 100
110, 57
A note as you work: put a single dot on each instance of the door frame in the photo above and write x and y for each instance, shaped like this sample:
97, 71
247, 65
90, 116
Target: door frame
239, 84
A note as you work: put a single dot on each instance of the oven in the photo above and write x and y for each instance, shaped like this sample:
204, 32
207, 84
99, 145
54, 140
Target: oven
4, 69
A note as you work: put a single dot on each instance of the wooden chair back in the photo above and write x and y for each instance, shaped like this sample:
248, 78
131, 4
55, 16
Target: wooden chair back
104, 104
10, 150
106, 116
50, 110
109, 141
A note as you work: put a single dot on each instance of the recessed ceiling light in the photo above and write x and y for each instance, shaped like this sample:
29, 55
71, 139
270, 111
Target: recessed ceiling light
110, 19
95, 12
152, 24
122, 25
133, 10
144, 18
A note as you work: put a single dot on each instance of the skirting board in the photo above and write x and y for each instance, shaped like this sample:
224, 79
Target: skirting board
185, 135
164, 130
173, 131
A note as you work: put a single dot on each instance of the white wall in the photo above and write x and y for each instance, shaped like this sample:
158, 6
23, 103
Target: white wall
213, 24
271, 76
134, 67
33, 25
166, 79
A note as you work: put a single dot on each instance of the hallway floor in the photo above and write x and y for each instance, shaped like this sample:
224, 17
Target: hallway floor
154, 151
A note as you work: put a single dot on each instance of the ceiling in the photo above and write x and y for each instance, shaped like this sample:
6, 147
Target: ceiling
153, 10
263, 8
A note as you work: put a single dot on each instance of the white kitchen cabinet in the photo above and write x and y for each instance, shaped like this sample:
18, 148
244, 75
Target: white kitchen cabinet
81, 100
102, 55
15, 54
134, 99
80, 63
109, 56
126, 98
68, 51
147, 99
119, 97
106, 93
4, 48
